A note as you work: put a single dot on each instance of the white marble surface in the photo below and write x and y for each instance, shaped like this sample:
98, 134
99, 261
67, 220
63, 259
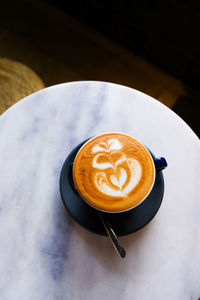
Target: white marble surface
44, 254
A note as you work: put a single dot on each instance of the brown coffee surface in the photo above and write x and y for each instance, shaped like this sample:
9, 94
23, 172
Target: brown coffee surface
113, 172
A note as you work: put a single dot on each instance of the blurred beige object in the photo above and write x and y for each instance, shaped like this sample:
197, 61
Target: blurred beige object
16, 82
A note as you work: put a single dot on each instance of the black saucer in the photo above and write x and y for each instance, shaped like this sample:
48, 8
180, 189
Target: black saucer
122, 223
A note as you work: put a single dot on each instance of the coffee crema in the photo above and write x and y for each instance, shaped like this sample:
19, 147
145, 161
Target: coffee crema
113, 172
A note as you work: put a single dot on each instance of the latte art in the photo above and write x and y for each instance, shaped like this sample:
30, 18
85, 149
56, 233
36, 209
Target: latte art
113, 172
122, 181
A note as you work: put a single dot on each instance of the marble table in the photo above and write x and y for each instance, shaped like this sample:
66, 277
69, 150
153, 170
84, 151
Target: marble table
44, 253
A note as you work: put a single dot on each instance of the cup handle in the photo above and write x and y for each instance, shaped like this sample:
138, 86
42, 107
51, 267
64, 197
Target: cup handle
160, 163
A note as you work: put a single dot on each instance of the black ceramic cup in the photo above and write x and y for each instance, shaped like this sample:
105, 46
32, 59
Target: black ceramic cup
123, 223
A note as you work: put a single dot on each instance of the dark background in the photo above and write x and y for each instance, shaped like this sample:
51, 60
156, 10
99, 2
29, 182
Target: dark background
167, 33
44, 35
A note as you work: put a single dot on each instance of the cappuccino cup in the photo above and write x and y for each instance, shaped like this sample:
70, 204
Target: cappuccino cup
114, 172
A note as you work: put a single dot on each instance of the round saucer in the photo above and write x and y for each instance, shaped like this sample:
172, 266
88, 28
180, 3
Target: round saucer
122, 223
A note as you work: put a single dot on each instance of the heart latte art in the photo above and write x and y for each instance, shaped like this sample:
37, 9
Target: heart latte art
113, 172
124, 179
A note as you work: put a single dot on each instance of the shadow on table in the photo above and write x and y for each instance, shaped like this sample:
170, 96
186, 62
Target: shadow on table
101, 248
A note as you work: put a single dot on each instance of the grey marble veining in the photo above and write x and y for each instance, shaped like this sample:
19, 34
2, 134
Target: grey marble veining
44, 254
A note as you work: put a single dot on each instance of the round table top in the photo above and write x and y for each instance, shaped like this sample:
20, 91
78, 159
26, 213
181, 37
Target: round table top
44, 253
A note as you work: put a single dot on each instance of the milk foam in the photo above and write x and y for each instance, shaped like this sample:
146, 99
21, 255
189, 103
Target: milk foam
118, 184
113, 144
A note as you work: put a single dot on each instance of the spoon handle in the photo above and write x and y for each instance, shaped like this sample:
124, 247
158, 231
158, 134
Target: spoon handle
114, 239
